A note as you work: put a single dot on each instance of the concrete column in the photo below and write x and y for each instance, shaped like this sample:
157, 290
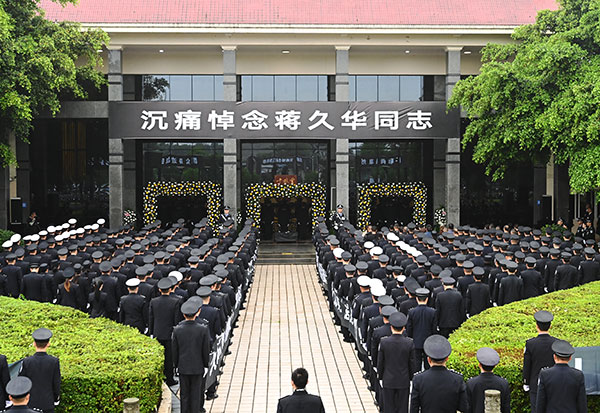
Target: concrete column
115, 143
342, 156
231, 178
453, 144
229, 74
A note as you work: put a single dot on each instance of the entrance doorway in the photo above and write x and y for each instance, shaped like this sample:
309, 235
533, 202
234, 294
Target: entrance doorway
171, 208
285, 219
387, 210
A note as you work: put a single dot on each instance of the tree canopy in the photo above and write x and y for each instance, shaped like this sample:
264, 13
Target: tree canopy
39, 60
539, 97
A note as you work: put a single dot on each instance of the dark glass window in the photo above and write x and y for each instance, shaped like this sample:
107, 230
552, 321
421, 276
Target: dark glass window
173, 88
182, 161
388, 88
69, 169
267, 88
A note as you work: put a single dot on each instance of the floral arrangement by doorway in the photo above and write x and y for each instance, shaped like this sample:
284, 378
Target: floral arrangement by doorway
129, 217
314, 191
416, 190
440, 217
212, 191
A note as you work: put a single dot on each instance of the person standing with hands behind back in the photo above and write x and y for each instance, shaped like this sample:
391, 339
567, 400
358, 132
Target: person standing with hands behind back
300, 401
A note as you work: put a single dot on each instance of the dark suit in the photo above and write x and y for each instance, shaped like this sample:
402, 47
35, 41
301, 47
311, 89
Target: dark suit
538, 354
589, 270
421, 324
44, 372
396, 367
476, 387
132, 311
566, 276
191, 355
478, 298
14, 277
300, 402
162, 316
450, 311
561, 389
4, 378
438, 390
34, 287
511, 289
533, 284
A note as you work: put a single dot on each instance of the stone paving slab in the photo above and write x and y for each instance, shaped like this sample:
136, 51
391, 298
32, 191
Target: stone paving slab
287, 324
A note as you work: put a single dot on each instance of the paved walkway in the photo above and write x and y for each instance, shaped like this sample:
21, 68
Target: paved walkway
286, 325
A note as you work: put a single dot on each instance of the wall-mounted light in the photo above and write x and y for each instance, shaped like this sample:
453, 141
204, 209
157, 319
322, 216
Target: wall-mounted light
161, 51
467, 52
407, 51
285, 51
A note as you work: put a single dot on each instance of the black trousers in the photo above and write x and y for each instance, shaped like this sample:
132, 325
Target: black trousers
533, 400
395, 400
446, 331
421, 359
168, 366
191, 395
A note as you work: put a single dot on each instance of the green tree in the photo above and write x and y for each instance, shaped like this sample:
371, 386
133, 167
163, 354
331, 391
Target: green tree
540, 96
39, 60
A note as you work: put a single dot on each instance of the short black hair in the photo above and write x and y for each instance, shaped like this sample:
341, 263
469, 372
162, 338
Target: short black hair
487, 368
543, 326
300, 377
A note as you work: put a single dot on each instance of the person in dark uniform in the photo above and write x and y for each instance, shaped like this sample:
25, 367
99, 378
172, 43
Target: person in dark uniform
538, 354
511, 286
300, 401
97, 300
421, 324
163, 315
478, 294
225, 216
69, 293
396, 365
533, 283
34, 285
589, 269
14, 276
44, 372
191, 352
18, 390
438, 390
208, 313
4, 378
132, 307
338, 219
449, 308
566, 276
561, 388
488, 358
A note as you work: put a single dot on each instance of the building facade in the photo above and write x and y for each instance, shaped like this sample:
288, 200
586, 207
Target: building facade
206, 103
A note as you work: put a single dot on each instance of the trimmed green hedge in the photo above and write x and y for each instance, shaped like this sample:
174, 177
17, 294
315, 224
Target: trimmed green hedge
102, 362
5, 235
506, 329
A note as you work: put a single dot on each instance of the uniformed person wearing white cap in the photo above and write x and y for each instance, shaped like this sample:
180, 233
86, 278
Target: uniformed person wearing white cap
18, 390
488, 358
133, 309
338, 218
44, 372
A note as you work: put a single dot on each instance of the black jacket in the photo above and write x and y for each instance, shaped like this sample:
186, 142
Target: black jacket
44, 372
300, 402
476, 387
511, 289
4, 378
566, 276
211, 315
438, 390
396, 363
561, 389
378, 334
191, 347
538, 354
14, 277
133, 312
163, 315
478, 298
449, 309
589, 270
533, 283
421, 324
34, 287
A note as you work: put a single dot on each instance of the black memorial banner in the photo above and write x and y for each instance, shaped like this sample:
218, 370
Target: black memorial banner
327, 120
